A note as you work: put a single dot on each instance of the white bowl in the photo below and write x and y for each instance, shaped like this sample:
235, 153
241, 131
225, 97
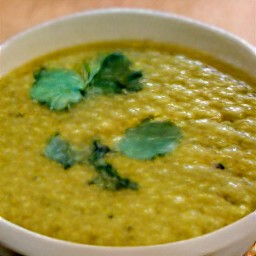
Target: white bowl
113, 24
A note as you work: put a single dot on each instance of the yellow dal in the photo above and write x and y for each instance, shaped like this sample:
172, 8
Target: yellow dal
181, 195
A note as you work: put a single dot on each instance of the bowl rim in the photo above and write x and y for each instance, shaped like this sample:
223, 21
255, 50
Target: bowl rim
147, 12
198, 239
125, 10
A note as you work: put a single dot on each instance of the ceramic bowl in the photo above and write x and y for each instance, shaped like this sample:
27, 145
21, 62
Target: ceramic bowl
114, 24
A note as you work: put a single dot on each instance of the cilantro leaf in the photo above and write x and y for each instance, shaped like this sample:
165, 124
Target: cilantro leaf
112, 74
62, 152
108, 176
150, 139
98, 153
57, 88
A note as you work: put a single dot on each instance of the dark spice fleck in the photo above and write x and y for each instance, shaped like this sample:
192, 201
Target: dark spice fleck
220, 166
129, 228
19, 115
35, 178
230, 199
16, 115
110, 216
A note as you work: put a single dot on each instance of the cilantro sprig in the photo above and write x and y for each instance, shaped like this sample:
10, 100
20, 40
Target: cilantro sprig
57, 88
107, 177
61, 88
150, 139
146, 141
62, 152
112, 75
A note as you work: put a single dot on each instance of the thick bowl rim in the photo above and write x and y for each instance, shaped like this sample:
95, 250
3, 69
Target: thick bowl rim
144, 11
198, 239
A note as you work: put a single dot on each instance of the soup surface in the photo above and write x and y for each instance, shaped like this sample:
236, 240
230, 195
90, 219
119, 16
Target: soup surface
205, 182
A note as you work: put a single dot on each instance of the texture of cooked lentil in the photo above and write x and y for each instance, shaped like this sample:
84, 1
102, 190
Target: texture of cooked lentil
206, 183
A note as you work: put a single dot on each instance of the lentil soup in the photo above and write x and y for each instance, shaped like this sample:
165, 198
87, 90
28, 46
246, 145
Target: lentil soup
200, 182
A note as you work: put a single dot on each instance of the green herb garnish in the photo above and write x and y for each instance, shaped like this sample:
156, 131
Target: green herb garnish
111, 75
150, 139
60, 88
108, 176
57, 88
62, 152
